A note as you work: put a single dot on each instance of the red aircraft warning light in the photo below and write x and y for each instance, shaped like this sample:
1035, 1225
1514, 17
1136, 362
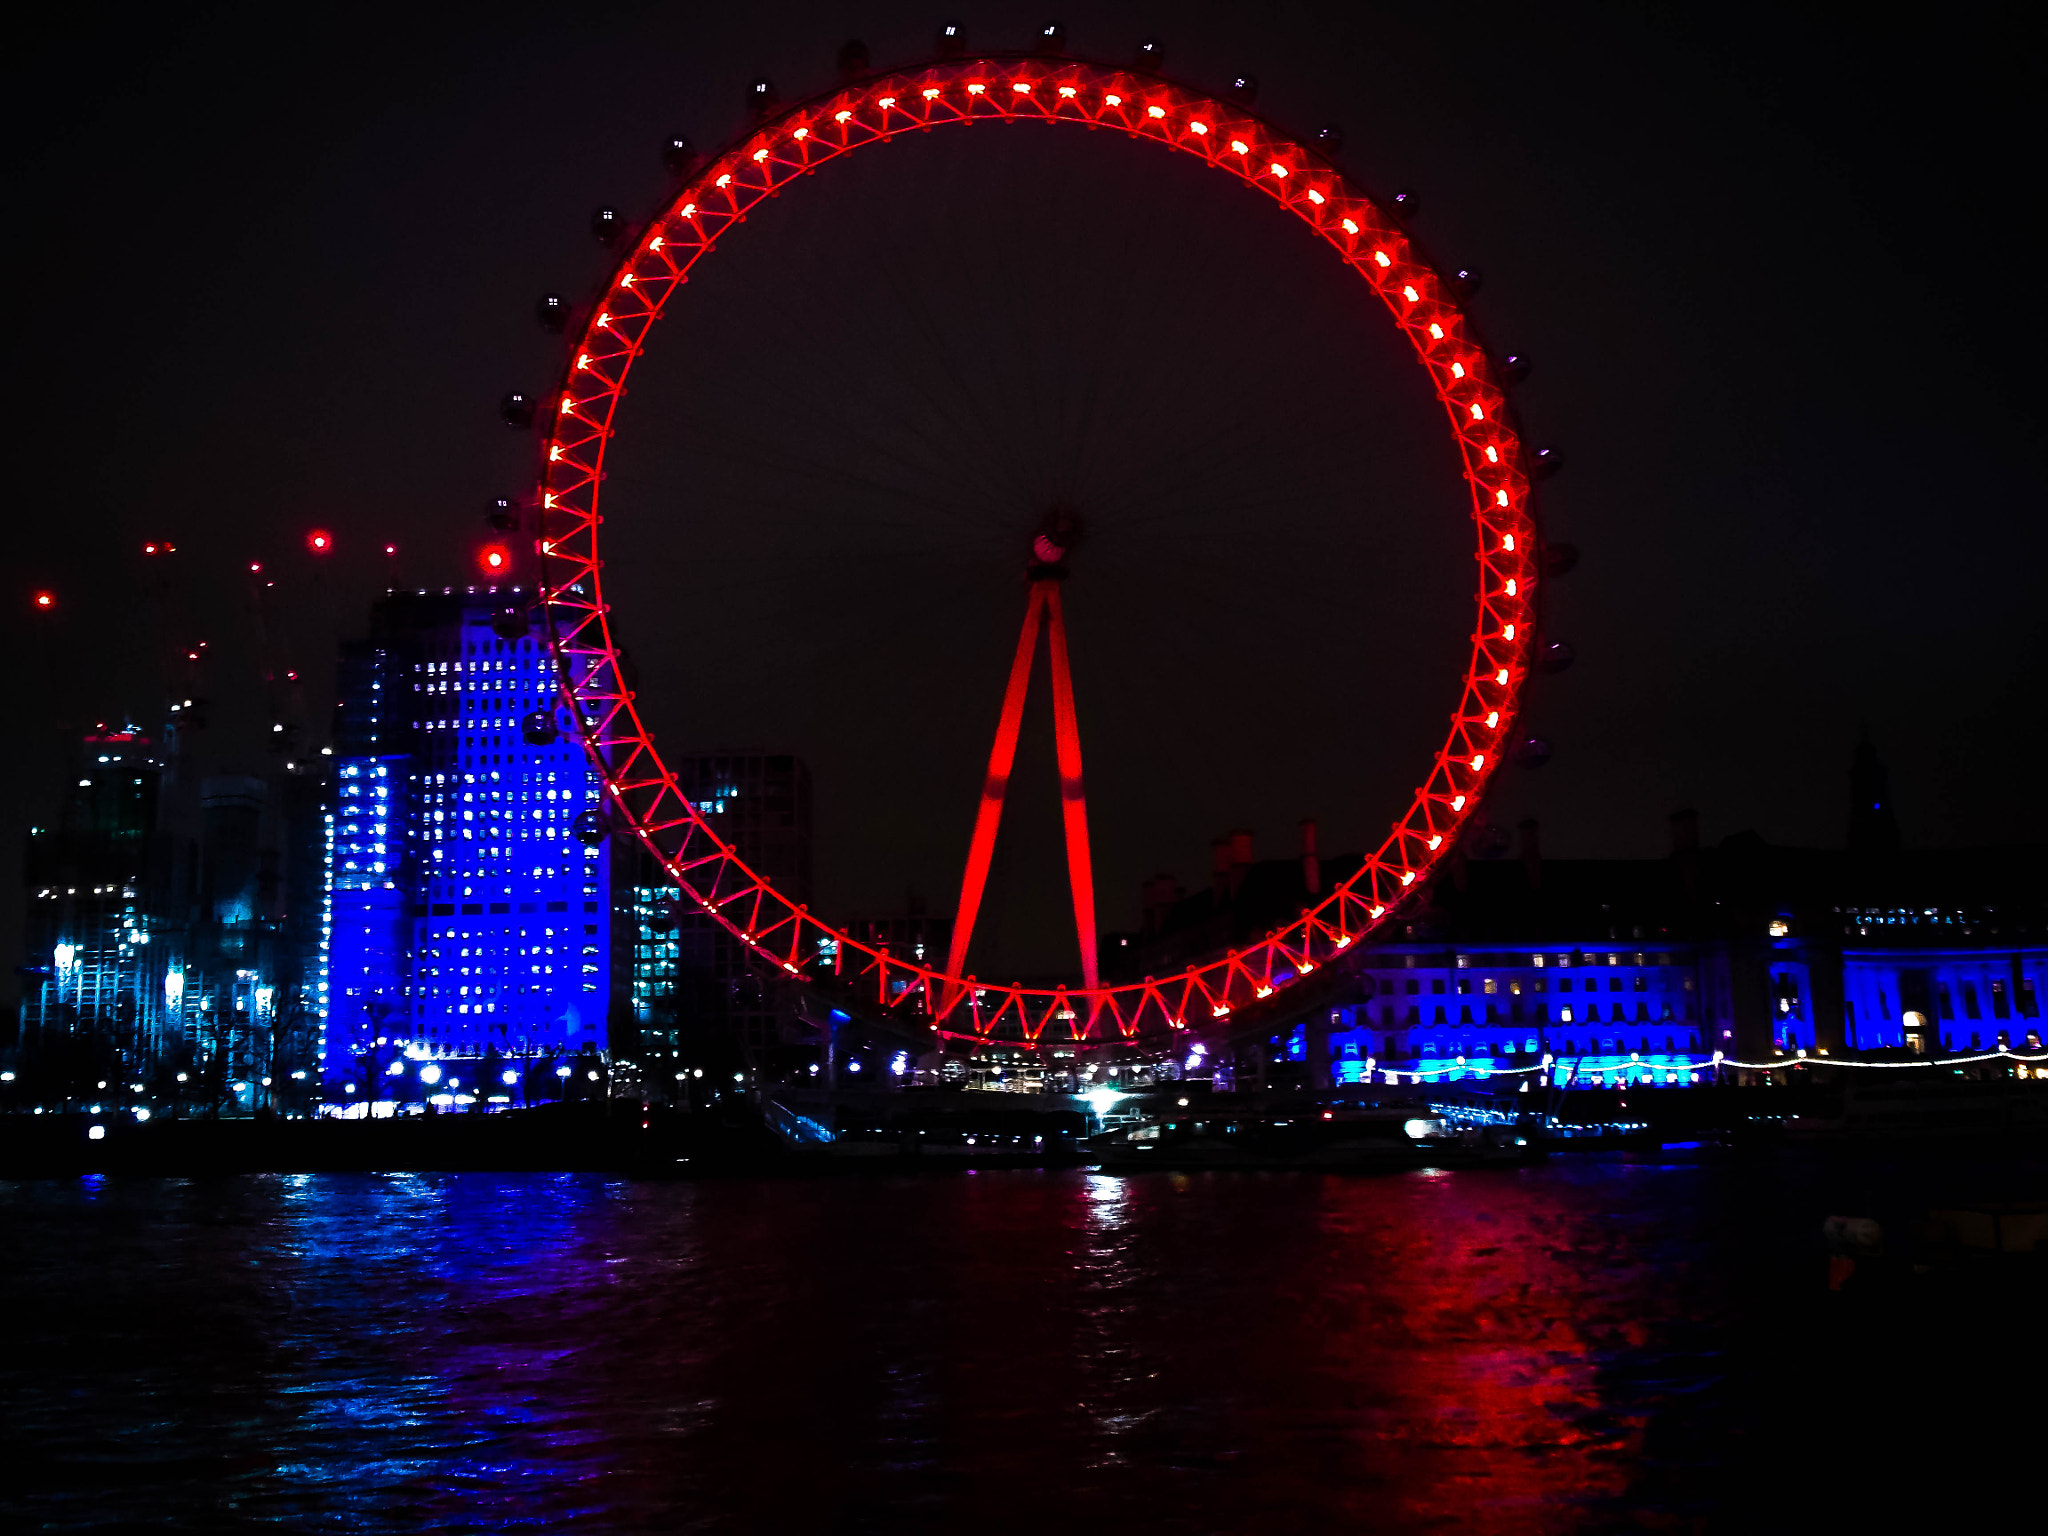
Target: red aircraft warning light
496, 559
320, 541
45, 601
159, 547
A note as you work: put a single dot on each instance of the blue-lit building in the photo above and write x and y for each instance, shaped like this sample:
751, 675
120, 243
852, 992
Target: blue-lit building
1640, 971
1648, 971
466, 916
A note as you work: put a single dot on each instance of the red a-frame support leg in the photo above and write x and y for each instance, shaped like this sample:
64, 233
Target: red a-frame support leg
1044, 605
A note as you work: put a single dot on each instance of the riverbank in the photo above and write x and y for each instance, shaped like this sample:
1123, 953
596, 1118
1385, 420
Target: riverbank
955, 1129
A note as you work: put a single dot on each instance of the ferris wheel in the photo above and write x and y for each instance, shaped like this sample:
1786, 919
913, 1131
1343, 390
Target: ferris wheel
641, 793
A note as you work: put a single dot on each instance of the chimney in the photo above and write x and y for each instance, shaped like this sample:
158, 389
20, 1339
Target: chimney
1240, 858
1685, 833
1532, 852
1311, 866
1685, 848
1160, 895
1219, 867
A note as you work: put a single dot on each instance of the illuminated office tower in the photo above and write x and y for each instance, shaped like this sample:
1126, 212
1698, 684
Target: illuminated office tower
468, 916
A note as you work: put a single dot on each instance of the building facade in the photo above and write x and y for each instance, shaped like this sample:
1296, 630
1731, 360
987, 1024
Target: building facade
468, 882
1656, 971
693, 990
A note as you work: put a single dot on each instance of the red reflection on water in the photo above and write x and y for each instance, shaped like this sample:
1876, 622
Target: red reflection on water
1481, 1341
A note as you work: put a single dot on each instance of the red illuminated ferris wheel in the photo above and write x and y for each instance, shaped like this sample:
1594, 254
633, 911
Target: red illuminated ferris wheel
641, 792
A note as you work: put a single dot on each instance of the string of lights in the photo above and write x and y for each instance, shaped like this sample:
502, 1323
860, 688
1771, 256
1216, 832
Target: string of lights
1461, 1067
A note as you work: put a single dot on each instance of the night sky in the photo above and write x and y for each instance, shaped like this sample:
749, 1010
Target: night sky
275, 270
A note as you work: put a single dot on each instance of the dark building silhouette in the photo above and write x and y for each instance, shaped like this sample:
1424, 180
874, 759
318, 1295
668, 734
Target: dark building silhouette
174, 930
694, 992
1873, 829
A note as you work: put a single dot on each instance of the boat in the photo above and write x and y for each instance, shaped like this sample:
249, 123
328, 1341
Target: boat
1349, 1138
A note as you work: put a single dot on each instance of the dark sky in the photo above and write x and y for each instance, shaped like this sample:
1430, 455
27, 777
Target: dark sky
275, 269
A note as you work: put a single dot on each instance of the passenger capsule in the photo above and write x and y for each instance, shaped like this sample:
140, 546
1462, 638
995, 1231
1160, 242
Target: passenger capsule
1330, 139
1556, 656
538, 729
679, 155
502, 514
1466, 281
761, 97
1052, 38
607, 225
1546, 462
1405, 205
1533, 752
952, 41
1514, 367
588, 828
1244, 88
553, 312
516, 410
1151, 53
509, 623
1559, 559
854, 63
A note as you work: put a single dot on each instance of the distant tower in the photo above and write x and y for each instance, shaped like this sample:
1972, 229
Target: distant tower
1872, 827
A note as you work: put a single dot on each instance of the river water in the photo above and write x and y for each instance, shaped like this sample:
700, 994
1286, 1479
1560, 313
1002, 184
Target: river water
1590, 1344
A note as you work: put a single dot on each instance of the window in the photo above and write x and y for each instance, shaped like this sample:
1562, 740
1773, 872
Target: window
1944, 1001
1970, 1008
2001, 1005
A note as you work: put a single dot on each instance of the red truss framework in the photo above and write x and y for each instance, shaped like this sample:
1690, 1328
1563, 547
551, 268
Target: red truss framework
641, 792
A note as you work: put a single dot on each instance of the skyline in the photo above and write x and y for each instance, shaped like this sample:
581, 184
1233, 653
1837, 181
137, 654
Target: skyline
1744, 598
